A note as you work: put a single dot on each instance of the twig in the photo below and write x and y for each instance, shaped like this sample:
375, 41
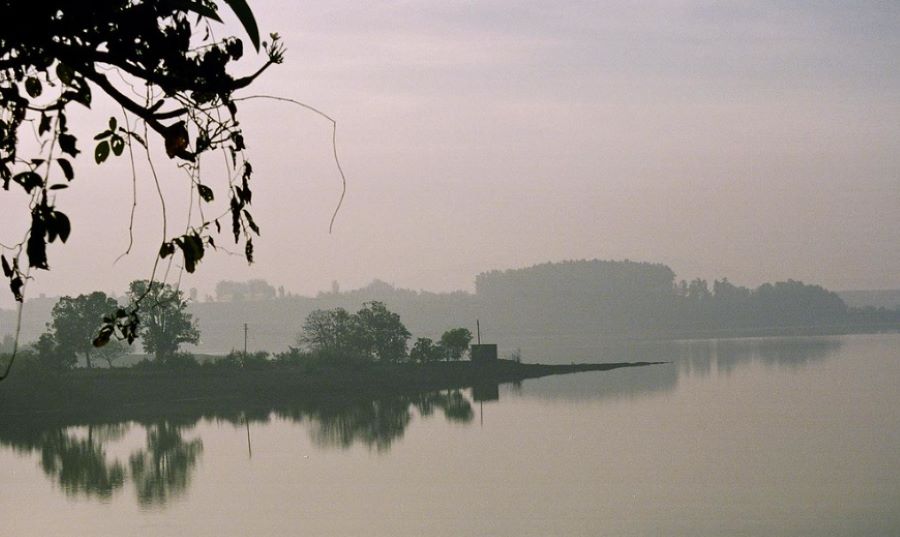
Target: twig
337, 160
133, 191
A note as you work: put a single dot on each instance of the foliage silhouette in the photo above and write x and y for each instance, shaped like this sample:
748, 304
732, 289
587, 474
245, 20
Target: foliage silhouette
55, 53
424, 350
374, 333
383, 333
165, 323
455, 342
76, 320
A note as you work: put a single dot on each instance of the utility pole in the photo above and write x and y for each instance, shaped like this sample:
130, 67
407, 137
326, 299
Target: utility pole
245, 340
478, 330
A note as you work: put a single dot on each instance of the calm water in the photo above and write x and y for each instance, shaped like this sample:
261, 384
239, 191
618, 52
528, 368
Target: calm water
747, 437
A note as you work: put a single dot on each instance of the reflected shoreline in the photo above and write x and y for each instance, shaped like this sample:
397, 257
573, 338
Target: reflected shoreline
74, 453
73, 442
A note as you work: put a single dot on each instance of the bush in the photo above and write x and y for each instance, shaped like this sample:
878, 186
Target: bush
255, 360
237, 360
179, 360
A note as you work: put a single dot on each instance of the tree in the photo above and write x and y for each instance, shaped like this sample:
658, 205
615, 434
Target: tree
455, 342
164, 321
333, 331
50, 355
76, 320
373, 333
385, 335
424, 350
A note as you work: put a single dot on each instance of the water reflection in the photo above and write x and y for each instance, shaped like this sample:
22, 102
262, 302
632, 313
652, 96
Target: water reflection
163, 470
77, 457
80, 465
702, 354
95, 457
699, 358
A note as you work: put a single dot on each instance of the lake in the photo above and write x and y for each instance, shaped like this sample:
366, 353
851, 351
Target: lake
790, 436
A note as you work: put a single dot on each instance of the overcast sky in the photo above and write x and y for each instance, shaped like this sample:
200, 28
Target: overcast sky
756, 140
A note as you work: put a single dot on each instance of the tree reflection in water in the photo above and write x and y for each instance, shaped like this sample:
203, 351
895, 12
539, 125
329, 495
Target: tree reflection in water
79, 465
163, 470
77, 458
377, 423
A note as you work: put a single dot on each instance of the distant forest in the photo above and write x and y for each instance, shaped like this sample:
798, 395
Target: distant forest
629, 297
612, 299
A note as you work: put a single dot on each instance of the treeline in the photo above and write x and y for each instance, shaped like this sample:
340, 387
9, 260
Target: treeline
589, 297
626, 297
76, 334
79, 330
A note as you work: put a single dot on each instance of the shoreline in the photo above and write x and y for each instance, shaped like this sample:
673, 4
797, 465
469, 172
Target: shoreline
121, 392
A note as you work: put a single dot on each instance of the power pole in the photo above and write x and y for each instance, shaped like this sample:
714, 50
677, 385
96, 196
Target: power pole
245, 340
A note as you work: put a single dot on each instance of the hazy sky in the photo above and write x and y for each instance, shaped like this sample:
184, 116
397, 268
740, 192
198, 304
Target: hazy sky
755, 140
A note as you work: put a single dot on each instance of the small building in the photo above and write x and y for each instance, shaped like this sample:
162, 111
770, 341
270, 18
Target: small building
483, 353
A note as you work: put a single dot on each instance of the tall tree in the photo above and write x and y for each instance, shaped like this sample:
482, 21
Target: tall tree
424, 350
76, 320
335, 331
385, 334
165, 323
455, 342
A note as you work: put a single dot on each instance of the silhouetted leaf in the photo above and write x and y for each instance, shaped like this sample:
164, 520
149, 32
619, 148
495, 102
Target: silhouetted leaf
176, 138
103, 336
117, 143
250, 222
166, 250
248, 250
205, 192
67, 144
236, 218
65, 73
7, 270
192, 249
67, 170
28, 180
15, 285
62, 225
33, 86
59, 186
242, 10
36, 247
196, 7
44, 125
101, 152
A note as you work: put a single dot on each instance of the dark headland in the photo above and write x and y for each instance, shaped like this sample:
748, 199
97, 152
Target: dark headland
135, 392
